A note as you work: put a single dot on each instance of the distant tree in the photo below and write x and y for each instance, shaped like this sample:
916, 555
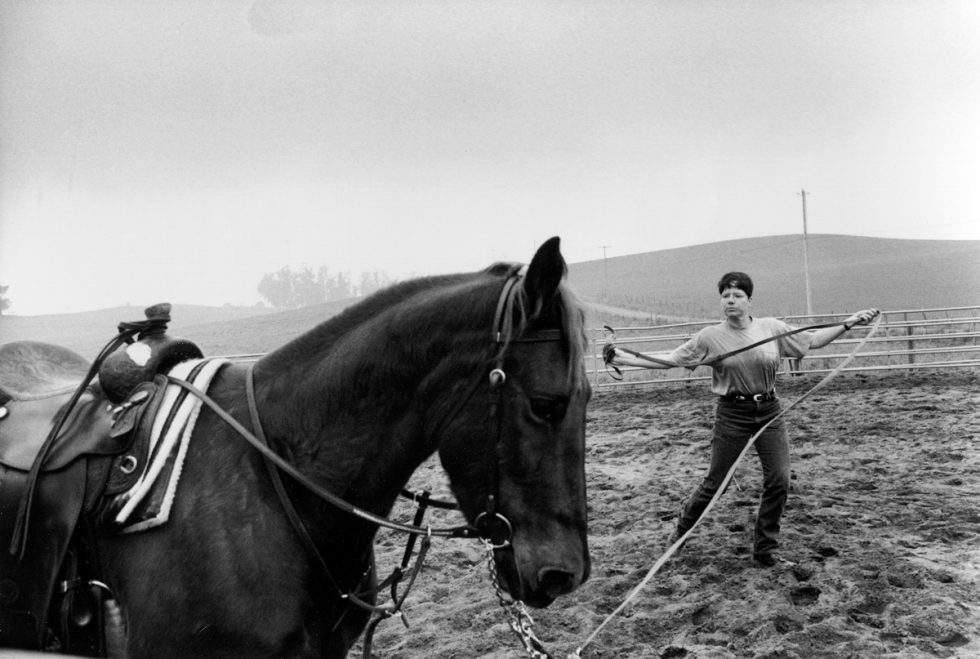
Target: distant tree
335, 287
306, 289
289, 289
4, 302
373, 281
277, 288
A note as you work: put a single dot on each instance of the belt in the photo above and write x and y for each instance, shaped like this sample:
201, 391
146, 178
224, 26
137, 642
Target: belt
758, 398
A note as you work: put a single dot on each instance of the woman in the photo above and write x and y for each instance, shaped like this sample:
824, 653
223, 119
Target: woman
745, 384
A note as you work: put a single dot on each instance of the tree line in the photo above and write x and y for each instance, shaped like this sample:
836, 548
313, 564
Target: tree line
290, 289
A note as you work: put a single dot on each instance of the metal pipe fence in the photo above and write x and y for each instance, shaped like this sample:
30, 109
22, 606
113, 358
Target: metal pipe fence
907, 339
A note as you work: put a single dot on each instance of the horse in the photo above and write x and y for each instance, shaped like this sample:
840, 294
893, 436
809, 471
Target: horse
485, 368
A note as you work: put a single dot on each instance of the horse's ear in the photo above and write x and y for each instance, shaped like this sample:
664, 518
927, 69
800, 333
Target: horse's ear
545, 273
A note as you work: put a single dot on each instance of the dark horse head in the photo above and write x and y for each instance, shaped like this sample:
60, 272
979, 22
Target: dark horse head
515, 457
409, 371
484, 368
488, 369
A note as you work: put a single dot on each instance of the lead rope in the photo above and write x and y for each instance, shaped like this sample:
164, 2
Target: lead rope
721, 490
520, 620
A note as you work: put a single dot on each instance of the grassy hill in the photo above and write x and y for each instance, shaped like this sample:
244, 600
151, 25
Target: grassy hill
846, 274
88, 331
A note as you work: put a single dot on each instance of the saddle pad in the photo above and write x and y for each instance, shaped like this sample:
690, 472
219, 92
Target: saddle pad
148, 502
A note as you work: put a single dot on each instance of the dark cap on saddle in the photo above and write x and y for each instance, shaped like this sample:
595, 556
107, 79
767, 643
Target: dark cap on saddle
738, 280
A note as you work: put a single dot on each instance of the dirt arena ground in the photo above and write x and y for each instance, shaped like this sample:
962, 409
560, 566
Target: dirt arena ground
880, 552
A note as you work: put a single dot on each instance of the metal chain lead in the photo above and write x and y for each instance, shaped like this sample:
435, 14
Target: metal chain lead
520, 620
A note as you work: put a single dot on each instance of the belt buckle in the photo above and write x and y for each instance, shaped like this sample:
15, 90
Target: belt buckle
759, 397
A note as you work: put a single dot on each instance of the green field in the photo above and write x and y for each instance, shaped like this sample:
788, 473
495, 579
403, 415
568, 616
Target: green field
846, 274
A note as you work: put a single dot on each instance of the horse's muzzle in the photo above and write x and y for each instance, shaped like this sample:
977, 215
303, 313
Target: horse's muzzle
539, 585
554, 582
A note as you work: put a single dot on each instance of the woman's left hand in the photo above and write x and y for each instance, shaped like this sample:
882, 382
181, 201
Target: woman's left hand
861, 318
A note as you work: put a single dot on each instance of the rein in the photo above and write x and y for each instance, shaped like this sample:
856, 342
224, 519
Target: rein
274, 475
461, 531
274, 463
490, 525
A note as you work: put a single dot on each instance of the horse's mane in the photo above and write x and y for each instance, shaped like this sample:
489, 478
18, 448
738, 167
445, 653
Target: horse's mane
398, 321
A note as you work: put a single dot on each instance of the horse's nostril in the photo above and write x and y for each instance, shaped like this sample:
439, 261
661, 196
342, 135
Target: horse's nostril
556, 582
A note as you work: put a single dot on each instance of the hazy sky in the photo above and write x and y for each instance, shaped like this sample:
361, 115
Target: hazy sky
177, 151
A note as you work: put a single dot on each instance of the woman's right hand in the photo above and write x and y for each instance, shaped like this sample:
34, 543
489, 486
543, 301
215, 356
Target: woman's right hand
608, 353
861, 318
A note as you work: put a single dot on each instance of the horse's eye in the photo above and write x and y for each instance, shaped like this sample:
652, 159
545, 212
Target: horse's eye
549, 410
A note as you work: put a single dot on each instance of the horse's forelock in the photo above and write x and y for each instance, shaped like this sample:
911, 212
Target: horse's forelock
573, 323
572, 320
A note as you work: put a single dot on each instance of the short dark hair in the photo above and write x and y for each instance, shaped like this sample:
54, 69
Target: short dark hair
738, 280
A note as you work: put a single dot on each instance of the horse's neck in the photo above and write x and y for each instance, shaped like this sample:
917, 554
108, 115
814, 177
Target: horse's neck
357, 431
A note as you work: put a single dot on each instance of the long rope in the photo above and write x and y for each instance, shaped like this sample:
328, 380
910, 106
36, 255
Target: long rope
721, 490
711, 362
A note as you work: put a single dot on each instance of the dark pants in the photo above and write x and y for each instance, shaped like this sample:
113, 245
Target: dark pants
735, 423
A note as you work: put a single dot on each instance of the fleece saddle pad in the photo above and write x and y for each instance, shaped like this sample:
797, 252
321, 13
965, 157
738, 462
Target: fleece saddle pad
148, 502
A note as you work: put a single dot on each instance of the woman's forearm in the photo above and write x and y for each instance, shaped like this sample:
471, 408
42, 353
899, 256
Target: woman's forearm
825, 336
820, 338
626, 359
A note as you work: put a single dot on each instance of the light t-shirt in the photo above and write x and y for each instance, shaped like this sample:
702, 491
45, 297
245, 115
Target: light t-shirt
749, 372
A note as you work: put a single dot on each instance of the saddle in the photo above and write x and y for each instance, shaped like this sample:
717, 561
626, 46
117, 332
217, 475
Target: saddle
30, 370
66, 440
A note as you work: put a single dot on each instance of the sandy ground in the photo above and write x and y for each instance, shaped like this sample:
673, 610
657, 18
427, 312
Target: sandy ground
880, 552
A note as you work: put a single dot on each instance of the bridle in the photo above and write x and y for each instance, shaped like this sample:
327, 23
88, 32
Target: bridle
491, 525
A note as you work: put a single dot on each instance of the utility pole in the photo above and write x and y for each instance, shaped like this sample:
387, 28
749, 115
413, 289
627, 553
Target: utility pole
806, 262
605, 274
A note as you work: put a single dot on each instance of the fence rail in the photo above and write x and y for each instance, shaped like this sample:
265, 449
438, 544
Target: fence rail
929, 339
906, 339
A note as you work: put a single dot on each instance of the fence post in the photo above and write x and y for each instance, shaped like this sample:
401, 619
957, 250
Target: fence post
595, 361
911, 342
